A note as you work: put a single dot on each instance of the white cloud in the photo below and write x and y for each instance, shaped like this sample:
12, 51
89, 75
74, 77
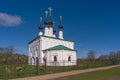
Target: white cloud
9, 20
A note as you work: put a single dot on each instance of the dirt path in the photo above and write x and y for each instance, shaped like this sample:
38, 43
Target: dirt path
63, 74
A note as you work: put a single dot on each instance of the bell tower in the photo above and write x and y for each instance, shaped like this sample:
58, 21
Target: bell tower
49, 23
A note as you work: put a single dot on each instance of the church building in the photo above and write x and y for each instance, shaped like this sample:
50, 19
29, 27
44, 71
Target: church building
48, 49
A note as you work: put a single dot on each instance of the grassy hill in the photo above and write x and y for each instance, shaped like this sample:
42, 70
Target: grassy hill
12, 65
16, 59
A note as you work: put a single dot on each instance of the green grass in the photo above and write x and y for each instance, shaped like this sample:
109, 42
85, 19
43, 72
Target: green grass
97, 75
29, 70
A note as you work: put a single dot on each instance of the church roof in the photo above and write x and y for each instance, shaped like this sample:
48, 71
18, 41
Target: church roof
47, 37
60, 47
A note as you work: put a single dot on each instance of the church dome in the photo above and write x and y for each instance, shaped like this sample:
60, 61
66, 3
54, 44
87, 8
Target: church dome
40, 27
60, 26
50, 22
46, 22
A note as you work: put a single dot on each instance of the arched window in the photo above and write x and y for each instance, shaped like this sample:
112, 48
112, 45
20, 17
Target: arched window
55, 58
69, 58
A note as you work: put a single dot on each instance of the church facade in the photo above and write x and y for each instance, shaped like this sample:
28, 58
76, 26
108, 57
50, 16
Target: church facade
47, 49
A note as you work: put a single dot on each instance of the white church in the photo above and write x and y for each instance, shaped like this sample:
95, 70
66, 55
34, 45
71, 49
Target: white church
48, 49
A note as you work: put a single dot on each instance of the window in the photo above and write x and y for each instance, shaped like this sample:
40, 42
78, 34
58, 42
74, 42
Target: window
69, 58
55, 58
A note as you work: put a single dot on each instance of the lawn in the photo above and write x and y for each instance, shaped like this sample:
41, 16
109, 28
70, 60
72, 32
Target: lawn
112, 74
29, 70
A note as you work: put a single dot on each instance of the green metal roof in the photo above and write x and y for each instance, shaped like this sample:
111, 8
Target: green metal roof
60, 47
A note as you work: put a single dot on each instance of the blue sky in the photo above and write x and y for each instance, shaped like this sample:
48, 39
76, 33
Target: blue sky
92, 24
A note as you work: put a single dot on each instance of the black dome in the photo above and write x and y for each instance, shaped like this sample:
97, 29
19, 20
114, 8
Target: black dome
40, 27
60, 26
50, 22
46, 22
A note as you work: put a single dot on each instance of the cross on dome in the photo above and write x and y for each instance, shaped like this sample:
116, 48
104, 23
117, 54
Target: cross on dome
50, 10
40, 20
46, 12
60, 19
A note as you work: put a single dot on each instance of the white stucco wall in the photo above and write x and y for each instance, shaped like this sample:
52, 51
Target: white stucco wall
49, 31
62, 57
51, 42
33, 51
37, 46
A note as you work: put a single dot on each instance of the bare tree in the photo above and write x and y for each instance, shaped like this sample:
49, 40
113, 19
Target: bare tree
1, 49
10, 50
91, 57
103, 60
8, 54
118, 55
112, 57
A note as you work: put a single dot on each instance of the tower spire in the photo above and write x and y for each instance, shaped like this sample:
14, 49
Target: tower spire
40, 27
61, 29
41, 21
60, 26
60, 20
46, 13
46, 21
50, 17
50, 10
